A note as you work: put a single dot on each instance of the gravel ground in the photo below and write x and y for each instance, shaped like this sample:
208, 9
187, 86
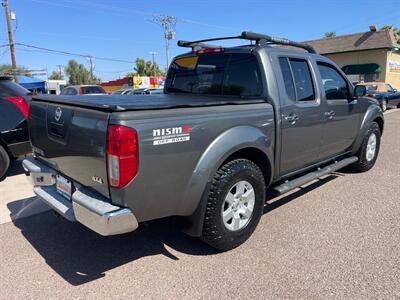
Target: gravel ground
337, 238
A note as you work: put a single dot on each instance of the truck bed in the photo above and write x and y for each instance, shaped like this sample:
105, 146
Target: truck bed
144, 102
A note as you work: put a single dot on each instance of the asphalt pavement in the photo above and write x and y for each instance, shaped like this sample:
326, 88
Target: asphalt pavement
336, 238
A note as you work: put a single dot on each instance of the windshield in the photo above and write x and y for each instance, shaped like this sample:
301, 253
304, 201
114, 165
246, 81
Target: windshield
372, 87
216, 74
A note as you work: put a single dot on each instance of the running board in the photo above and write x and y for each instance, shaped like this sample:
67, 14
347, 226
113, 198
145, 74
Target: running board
295, 183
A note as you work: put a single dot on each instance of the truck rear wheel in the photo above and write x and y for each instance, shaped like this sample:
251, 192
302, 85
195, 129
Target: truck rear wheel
369, 149
235, 204
4, 162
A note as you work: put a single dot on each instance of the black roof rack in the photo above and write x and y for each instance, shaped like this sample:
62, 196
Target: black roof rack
251, 36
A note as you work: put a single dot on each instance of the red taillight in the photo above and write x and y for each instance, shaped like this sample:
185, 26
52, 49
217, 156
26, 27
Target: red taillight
122, 155
21, 103
371, 95
210, 50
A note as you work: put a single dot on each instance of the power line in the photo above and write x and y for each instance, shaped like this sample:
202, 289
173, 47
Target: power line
123, 10
75, 54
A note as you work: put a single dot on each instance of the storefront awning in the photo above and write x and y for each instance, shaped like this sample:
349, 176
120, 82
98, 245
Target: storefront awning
31, 83
361, 69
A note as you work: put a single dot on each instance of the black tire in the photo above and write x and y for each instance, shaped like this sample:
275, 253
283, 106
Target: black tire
363, 164
384, 105
215, 233
4, 162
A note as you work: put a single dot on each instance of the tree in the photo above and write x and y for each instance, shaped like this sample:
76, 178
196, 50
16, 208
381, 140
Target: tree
56, 76
78, 74
330, 34
396, 31
6, 69
140, 68
145, 68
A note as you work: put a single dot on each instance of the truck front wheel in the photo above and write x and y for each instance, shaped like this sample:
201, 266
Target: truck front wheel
369, 149
235, 204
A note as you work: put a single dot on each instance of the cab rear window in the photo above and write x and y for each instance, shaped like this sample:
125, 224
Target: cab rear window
216, 74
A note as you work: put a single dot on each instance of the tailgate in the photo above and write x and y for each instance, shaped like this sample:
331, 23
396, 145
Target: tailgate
72, 140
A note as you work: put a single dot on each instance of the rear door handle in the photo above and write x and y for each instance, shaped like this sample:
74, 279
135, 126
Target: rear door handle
330, 114
292, 118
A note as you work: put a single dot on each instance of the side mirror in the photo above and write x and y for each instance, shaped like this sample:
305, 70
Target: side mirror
395, 91
360, 91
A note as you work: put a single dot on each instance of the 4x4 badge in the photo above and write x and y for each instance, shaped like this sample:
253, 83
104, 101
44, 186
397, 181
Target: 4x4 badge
97, 179
58, 114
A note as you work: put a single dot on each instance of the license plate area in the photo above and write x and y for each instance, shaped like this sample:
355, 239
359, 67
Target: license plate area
64, 187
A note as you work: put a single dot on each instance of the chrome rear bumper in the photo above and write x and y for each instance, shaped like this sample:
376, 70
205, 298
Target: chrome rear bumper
87, 207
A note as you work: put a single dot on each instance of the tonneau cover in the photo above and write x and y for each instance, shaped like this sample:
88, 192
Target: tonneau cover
144, 102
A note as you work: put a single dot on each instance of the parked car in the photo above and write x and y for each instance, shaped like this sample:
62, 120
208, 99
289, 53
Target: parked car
384, 93
80, 90
141, 91
153, 91
118, 92
234, 123
146, 91
122, 92
14, 109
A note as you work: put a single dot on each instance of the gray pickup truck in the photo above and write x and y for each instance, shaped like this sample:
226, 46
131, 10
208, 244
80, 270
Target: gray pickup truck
233, 125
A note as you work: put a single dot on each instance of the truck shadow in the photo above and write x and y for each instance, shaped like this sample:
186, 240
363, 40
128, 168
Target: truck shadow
80, 256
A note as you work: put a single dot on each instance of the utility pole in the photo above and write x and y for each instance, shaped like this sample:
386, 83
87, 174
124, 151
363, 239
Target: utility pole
59, 69
91, 67
11, 40
153, 53
168, 24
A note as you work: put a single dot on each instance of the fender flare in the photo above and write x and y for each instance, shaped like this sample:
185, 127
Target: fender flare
373, 112
226, 144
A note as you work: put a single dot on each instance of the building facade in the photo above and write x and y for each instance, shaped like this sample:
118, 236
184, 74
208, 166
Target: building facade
364, 57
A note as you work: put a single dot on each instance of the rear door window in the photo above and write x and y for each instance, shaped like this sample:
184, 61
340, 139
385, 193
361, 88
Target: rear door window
302, 80
216, 74
297, 79
287, 78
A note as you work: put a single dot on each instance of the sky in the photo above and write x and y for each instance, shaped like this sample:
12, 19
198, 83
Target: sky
124, 29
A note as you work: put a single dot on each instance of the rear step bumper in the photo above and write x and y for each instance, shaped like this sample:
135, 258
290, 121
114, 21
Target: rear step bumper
86, 207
